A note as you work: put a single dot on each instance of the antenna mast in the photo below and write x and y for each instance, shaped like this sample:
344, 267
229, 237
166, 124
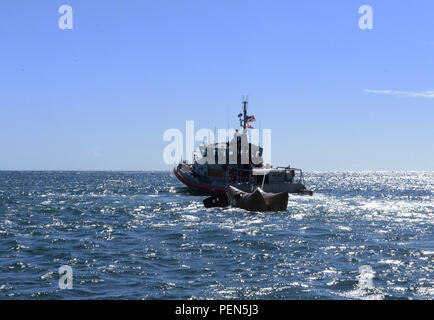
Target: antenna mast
243, 116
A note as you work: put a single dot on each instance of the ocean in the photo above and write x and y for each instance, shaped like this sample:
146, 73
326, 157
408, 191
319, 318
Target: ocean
143, 235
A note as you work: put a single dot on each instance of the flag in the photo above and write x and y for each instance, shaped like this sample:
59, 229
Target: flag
249, 126
250, 118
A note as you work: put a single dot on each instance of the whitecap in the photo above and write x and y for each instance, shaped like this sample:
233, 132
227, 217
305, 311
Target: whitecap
190, 217
343, 228
47, 275
391, 261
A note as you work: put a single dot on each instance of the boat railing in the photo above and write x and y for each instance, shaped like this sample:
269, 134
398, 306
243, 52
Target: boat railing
300, 178
240, 175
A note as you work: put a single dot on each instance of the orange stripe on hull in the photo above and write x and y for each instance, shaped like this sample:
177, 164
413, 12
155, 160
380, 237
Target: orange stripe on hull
197, 185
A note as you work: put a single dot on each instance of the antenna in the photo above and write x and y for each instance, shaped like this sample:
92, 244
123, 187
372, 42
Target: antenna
244, 112
243, 115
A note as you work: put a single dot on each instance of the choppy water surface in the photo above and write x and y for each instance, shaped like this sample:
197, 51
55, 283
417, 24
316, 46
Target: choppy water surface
142, 235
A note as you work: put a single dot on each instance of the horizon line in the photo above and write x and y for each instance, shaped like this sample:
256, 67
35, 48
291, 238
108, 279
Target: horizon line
169, 170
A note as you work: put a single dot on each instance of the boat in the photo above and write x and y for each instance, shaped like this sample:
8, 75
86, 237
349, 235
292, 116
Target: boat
237, 163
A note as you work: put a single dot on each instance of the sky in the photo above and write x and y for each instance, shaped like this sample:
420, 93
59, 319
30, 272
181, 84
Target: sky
100, 96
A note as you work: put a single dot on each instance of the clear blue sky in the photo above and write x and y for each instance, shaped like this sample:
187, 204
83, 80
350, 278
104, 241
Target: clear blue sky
100, 96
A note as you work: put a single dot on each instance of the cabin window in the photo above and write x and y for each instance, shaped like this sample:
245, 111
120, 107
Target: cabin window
260, 178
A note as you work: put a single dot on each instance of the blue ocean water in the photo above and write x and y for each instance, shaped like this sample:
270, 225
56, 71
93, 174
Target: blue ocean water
143, 235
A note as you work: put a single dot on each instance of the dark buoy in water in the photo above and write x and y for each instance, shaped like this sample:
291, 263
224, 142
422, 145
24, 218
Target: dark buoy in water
217, 201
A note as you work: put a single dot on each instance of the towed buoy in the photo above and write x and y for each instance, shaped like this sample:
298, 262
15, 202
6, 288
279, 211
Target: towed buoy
257, 200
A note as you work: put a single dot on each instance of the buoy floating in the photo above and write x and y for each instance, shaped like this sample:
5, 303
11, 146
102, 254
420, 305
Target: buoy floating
258, 200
